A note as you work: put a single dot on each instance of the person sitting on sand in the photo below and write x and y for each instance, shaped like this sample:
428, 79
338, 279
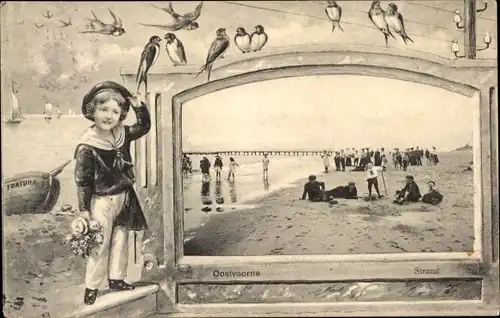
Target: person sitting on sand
469, 167
345, 192
314, 190
372, 179
410, 193
433, 196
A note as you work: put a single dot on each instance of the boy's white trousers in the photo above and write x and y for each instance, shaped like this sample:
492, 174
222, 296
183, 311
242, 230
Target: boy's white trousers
110, 260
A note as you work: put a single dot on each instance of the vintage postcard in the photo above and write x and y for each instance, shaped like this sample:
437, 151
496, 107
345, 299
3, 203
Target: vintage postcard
249, 158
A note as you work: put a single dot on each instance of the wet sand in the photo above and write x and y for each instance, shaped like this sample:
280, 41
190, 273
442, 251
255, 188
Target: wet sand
283, 224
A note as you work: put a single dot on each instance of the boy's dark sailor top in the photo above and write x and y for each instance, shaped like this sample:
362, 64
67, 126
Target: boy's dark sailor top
103, 168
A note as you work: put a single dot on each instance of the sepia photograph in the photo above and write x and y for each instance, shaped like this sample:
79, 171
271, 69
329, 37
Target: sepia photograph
369, 165
249, 158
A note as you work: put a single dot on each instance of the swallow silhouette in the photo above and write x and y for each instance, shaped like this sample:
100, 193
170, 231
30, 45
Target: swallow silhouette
181, 22
377, 16
175, 49
394, 20
217, 49
148, 58
115, 28
242, 40
65, 24
334, 13
259, 38
47, 15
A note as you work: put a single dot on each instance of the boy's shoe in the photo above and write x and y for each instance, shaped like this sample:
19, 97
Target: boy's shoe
90, 296
115, 284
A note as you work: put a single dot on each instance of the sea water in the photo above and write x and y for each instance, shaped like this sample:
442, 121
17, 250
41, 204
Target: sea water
40, 145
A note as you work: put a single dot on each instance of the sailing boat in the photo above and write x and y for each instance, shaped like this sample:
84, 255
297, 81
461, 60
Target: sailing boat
59, 113
48, 111
16, 115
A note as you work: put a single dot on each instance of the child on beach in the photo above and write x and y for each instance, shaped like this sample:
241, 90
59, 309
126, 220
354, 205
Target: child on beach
326, 160
265, 166
218, 167
372, 179
232, 168
104, 178
410, 192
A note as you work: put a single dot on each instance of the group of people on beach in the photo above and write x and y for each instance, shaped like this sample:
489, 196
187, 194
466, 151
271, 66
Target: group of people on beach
374, 163
316, 191
205, 166
359, 159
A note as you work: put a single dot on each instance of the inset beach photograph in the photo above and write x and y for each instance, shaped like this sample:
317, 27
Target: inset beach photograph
329, 165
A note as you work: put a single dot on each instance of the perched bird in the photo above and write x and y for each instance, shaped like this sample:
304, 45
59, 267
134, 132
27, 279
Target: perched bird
334, 13
242, 40
115, 28
259, 38
394, 20
65, 24
48, 15
175, 49
377, 16
184, 22
217, 49
148, 58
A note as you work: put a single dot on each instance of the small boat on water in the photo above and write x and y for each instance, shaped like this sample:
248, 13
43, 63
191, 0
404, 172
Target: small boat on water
31, 192
48, 111
16, 116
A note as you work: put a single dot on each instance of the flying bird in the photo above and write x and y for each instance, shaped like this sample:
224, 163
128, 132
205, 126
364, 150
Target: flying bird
115, 28
259, 38
148, 58
242, 40
65, 24
48, 15
181, 22
334, 13
175, 49
394, 20
39, 26
217, 49
377, 16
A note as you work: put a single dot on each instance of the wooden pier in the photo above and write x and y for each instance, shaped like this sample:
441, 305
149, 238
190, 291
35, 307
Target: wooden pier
257, 153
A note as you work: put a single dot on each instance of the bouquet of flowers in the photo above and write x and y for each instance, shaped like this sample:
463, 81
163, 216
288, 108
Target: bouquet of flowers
85, 238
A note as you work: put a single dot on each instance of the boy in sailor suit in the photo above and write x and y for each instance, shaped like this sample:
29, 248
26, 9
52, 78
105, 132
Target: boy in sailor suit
104, 177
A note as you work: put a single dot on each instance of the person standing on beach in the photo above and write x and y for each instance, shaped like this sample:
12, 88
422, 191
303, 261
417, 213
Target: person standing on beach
265, 167
336, 159
232, 168
218, 167
205, 169
372, 179
342, 159
104, 178
377, 158
356, 158
326, 160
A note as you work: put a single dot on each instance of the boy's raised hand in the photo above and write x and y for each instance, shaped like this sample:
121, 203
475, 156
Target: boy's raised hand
136, 100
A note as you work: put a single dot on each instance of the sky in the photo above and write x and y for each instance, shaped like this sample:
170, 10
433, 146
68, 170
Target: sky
346, 111
61, 64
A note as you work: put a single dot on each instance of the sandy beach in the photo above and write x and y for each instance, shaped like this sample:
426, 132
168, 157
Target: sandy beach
282, 224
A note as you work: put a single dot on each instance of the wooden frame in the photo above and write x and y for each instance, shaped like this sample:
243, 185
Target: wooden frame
464, 77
